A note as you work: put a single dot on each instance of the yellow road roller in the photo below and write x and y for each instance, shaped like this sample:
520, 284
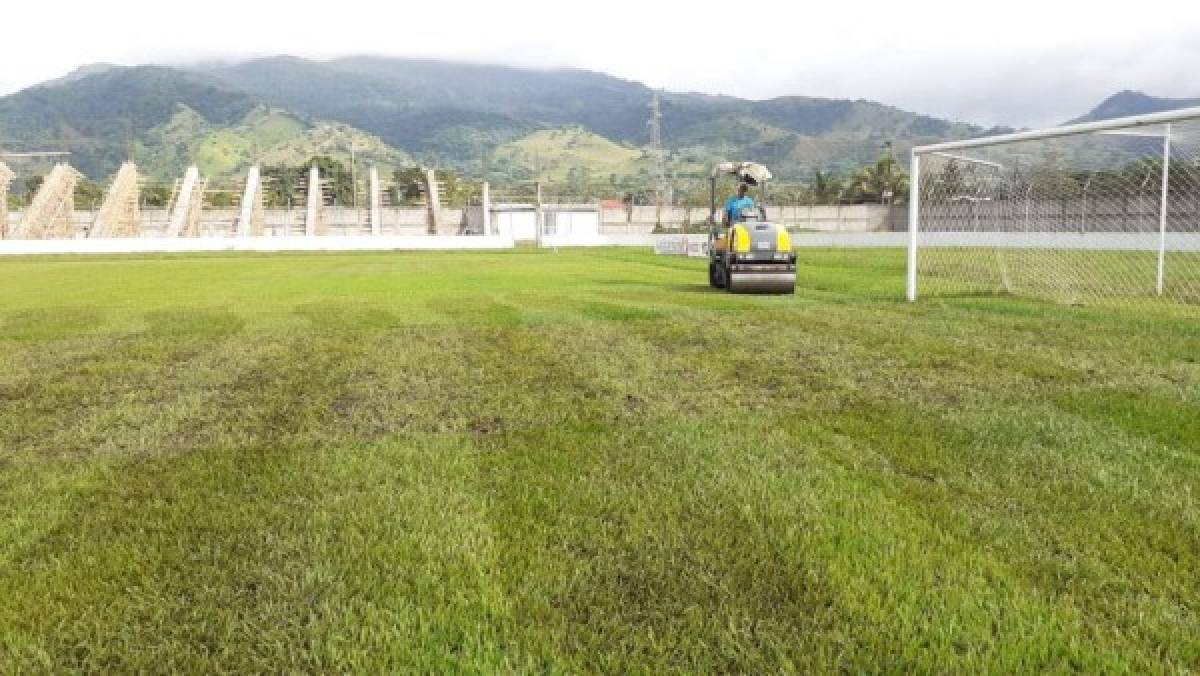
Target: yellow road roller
747, 254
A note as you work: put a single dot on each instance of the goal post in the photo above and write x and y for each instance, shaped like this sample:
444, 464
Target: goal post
1100, 211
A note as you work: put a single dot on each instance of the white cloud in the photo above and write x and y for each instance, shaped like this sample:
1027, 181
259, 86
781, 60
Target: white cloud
1017, 62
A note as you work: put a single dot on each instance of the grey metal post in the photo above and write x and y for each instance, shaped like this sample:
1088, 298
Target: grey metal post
433, 202
538, 216
376, 202
1162, 214
312, 207
486, 206
1083, 207
712, 201
914, 213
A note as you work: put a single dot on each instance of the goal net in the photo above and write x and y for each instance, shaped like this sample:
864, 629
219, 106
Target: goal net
1097, 212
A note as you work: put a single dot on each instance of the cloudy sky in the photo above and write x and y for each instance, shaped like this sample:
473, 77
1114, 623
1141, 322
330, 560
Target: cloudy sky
1016, 62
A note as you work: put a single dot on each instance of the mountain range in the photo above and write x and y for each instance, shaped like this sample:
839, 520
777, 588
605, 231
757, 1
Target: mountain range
506, 122
1126, 103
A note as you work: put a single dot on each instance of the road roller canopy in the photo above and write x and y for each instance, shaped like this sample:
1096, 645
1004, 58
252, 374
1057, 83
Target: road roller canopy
751, 173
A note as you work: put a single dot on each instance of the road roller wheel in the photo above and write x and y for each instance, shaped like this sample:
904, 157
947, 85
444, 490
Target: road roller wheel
718, 276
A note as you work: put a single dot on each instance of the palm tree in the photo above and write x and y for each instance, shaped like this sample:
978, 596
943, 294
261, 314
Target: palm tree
874, 182
826, 187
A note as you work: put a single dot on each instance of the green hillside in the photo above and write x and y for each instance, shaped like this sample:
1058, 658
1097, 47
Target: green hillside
552, 154
338, 141
229, 149
270, 137
103, 116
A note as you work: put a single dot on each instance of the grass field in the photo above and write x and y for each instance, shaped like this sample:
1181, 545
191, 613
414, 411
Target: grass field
585, 461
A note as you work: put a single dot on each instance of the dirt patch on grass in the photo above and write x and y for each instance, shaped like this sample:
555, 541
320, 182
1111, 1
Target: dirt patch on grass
482, 427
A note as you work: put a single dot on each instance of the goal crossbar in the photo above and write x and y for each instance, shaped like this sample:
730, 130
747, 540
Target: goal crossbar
1117, 123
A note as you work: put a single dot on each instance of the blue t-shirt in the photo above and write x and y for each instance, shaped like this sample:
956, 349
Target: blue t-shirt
734, 206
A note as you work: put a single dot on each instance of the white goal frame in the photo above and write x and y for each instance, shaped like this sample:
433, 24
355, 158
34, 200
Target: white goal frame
1150, 126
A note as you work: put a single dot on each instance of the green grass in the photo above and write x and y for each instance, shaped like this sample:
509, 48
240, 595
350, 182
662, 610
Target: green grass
1080, 276
585, 461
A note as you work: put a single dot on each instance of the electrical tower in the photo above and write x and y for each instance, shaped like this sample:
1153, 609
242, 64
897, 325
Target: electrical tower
662, 187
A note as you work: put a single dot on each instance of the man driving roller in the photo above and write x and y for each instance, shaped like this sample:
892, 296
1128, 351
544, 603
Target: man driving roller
735, 205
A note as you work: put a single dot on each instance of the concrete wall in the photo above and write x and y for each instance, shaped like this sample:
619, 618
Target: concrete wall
846, 218
339, 221
807, 240
639, 220
663, 242
1071, 215
1096, 214
22, 247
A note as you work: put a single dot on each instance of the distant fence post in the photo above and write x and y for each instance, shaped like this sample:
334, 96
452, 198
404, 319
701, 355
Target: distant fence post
375, 209
537, 214
486, 205
433, 202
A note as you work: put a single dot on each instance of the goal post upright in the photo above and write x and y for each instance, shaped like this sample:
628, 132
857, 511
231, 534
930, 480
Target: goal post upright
1162, 211
914, 215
